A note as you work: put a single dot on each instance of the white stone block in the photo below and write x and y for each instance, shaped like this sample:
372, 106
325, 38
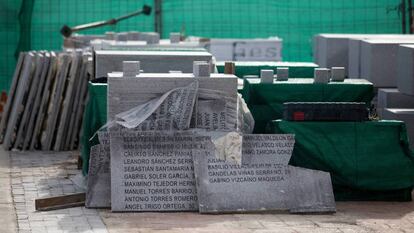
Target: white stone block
379, 61
338, 74
266, 76
282, 73
321, 75
405, 73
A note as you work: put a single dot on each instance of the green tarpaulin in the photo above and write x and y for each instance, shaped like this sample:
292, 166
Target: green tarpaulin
265, 101
296, 69
363, 158
93, 119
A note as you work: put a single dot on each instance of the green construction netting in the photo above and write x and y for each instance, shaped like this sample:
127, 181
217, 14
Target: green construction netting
367, 160
295, 21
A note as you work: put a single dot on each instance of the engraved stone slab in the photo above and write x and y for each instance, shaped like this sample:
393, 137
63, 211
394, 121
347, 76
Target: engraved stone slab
152, 171
263, 182
98, 192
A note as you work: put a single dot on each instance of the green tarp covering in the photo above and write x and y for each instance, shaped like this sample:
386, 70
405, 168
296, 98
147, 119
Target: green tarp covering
366, 160
296, 69
93, 119
265, 101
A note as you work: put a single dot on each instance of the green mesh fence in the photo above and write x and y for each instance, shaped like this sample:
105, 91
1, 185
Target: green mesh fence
295, 21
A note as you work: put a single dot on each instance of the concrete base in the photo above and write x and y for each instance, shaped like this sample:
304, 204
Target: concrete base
406, 115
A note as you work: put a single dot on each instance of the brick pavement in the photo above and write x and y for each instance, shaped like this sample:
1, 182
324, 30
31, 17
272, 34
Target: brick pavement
40, 174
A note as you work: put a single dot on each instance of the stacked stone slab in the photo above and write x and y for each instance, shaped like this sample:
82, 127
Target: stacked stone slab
150, 61
46, 100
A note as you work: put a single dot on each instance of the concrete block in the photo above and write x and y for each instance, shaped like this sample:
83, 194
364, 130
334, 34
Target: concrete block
402, 114
379, 61
338, 74
405, 73
282, 73
110, 35
321, 75
266, 76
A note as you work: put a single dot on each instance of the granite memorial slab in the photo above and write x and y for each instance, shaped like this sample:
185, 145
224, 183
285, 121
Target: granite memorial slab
263, 182
98, 191
152, 171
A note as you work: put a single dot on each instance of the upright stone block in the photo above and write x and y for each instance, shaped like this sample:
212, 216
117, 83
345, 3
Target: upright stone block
321, 75
263, 182
201, 69
338, 74
130, 68
175, 37
405, 78
266, 76
282, 73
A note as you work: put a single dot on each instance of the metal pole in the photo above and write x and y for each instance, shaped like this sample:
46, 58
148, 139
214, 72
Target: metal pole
410, 15
158, 16
404, 20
